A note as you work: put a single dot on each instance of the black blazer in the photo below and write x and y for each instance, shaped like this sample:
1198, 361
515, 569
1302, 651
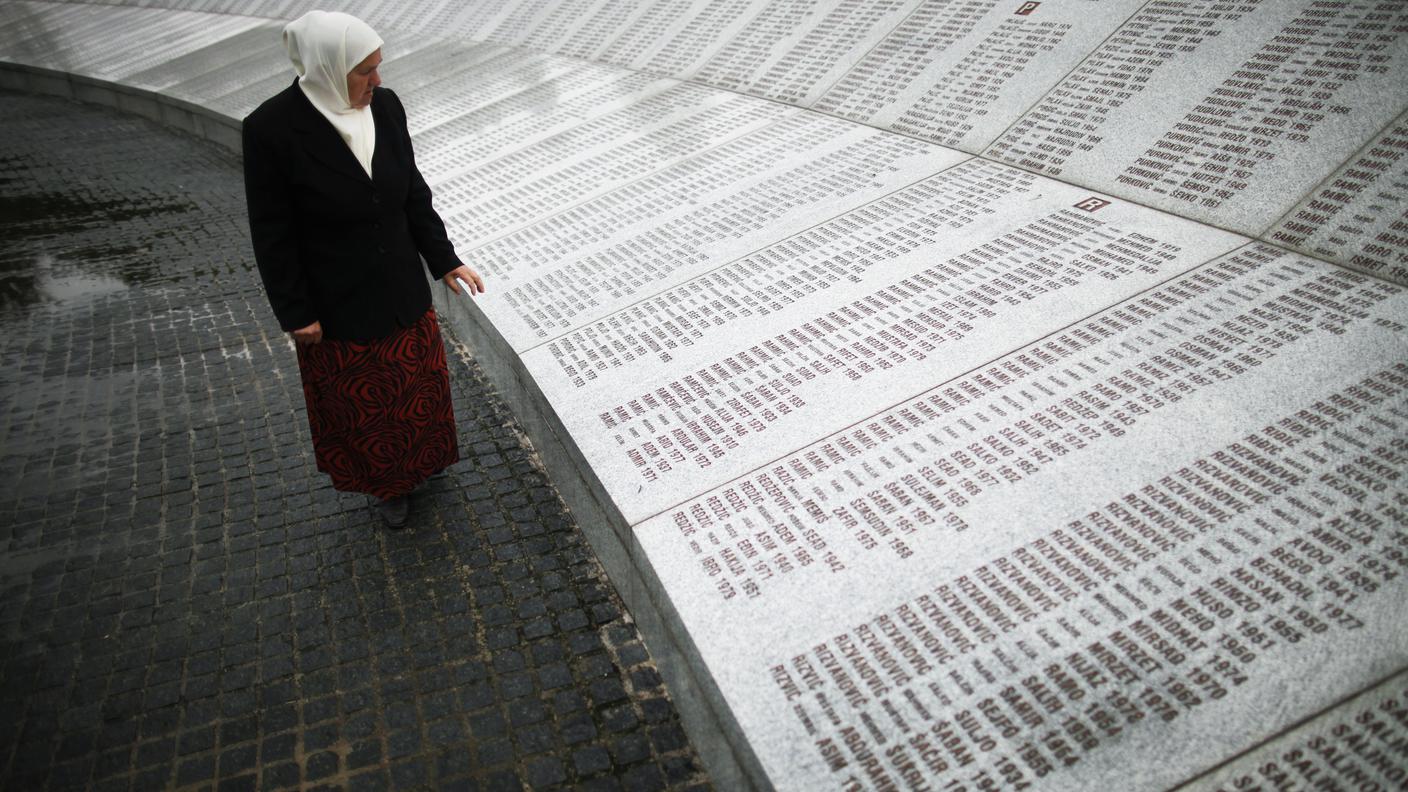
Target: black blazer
333, 245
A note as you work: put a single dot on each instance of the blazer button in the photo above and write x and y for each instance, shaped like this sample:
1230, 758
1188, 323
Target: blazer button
381, 248
376, 198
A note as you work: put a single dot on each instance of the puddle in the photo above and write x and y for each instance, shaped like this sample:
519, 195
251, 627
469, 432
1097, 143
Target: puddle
53, 283
48, 214
89, 266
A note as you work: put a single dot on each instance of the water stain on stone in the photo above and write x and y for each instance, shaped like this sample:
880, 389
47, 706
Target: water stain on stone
29, 275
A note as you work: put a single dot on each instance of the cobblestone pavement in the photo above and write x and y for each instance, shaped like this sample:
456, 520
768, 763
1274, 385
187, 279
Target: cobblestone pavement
186, 602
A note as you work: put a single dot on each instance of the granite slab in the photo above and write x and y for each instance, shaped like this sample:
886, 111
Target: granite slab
1102, 555
1228, 114
690, 219
718, 375
543, 111
187, 35
958, 74
212, 57
594, 158
1358, 744
1358, 216
493, 74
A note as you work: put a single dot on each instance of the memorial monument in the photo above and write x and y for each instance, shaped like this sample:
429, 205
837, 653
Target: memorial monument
964, 394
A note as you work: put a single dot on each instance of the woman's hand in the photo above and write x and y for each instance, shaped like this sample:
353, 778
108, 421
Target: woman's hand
468, 275
311, 334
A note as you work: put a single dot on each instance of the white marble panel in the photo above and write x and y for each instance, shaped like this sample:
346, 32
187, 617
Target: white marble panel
1357, 745
440, 18
20, 24
406, 72
190, 34
543, 111
540, 24
722, 203
1100, 556
764, 355
470, 20
674, 37
591, 159
793, 50
71, 41
1358, 216
955, 73
566, 25
213, 58
608, 21
264, 61
705, 213
1225, 113
16, 13
640, 32
273, 9
464, 89
243, 100
111, 30
45, 37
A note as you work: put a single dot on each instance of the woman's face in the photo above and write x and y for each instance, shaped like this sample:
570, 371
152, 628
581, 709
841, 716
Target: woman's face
362, 79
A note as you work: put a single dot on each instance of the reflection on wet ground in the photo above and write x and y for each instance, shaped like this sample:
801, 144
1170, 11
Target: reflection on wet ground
30, 273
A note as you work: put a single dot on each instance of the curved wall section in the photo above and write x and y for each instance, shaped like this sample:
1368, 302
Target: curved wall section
963, 394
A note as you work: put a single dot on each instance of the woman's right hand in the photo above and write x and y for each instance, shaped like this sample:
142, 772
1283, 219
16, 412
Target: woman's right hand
311, 334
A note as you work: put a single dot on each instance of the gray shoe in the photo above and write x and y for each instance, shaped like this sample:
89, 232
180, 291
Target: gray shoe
394, 511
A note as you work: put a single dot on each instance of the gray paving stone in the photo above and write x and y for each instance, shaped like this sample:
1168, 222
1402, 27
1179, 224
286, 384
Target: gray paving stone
186, 601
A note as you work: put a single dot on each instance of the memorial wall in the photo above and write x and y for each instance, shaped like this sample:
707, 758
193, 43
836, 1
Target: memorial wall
964, 394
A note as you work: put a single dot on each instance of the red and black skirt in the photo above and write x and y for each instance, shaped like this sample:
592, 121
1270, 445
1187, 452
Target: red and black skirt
380, 410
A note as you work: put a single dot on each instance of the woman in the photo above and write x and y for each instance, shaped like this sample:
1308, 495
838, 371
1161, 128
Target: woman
340, 219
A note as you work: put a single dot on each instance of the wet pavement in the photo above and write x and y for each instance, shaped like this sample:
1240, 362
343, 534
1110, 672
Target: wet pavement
184, 600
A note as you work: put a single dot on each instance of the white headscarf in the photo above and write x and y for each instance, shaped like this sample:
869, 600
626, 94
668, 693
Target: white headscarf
324, 46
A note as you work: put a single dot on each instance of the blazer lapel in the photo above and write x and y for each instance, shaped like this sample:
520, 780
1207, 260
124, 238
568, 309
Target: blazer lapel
321, 140
381, 149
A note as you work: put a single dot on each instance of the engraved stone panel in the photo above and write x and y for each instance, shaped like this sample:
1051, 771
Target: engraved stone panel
675, 36
780, 26
160, 76
600, 26
552, 107
1101, 554
1359, 216
192, 34
266, 62
763, 354
83, 47
959, 73
491, 74
1360, 744
1224, 112
517, 19
406, 72
702, 212
439, 18
593, 158
48, 35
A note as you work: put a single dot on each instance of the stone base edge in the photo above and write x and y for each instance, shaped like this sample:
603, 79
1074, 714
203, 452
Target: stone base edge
178, 114
707, 719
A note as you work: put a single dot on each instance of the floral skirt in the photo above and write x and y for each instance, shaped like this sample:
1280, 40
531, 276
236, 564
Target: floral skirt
380, 410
